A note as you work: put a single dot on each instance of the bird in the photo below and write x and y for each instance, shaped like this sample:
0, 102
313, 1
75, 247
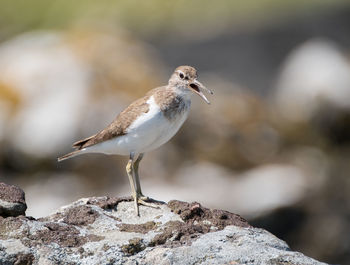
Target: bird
145, 125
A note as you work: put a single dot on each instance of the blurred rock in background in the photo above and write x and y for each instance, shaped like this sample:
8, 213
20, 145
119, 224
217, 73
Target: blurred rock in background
273, 145
317, 73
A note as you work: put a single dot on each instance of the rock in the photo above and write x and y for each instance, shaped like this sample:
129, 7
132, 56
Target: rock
103, 230
307, 85
12, 201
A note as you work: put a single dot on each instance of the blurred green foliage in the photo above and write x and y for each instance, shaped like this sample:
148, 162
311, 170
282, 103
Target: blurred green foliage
149, 17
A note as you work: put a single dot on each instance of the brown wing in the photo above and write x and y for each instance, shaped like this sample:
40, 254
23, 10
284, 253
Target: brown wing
119, 126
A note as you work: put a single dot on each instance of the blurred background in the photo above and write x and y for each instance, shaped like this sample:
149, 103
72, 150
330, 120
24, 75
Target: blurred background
274, 145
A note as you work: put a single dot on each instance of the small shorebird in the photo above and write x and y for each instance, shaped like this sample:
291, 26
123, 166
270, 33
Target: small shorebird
145, 124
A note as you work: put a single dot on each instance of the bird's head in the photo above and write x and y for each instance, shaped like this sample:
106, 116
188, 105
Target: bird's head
185, 77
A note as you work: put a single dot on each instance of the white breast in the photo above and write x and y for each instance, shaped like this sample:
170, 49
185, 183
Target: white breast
146, 133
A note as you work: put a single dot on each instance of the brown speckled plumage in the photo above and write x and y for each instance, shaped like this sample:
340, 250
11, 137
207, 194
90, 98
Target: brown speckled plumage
169, 103
188, 70
166, 99
172, 100
118, 126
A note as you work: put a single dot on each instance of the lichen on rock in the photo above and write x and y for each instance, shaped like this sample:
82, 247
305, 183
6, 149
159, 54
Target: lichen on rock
105, 230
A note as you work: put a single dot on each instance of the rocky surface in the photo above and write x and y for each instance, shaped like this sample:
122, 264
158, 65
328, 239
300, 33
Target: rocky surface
103, 230
12, 200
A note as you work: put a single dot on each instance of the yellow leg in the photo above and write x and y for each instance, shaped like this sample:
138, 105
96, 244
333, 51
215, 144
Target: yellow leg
142, 199
129, 171
136, 174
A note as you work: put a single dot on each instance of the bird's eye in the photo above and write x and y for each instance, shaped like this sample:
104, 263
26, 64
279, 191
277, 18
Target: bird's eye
181, 75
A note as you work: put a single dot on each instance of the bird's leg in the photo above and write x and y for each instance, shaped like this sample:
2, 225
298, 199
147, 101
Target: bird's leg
142, 199
137, 178
129, 171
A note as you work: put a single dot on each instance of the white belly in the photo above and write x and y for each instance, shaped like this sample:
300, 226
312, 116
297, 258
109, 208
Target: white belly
146, 133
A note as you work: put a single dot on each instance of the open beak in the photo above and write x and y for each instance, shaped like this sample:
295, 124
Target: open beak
198, 87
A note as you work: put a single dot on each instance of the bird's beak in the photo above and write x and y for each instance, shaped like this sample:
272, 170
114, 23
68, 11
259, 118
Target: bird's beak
198, 87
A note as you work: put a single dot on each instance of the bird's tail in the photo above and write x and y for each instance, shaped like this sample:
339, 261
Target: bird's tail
69, 155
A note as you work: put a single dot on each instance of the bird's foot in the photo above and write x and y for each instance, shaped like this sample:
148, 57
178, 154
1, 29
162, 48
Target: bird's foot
144, 200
